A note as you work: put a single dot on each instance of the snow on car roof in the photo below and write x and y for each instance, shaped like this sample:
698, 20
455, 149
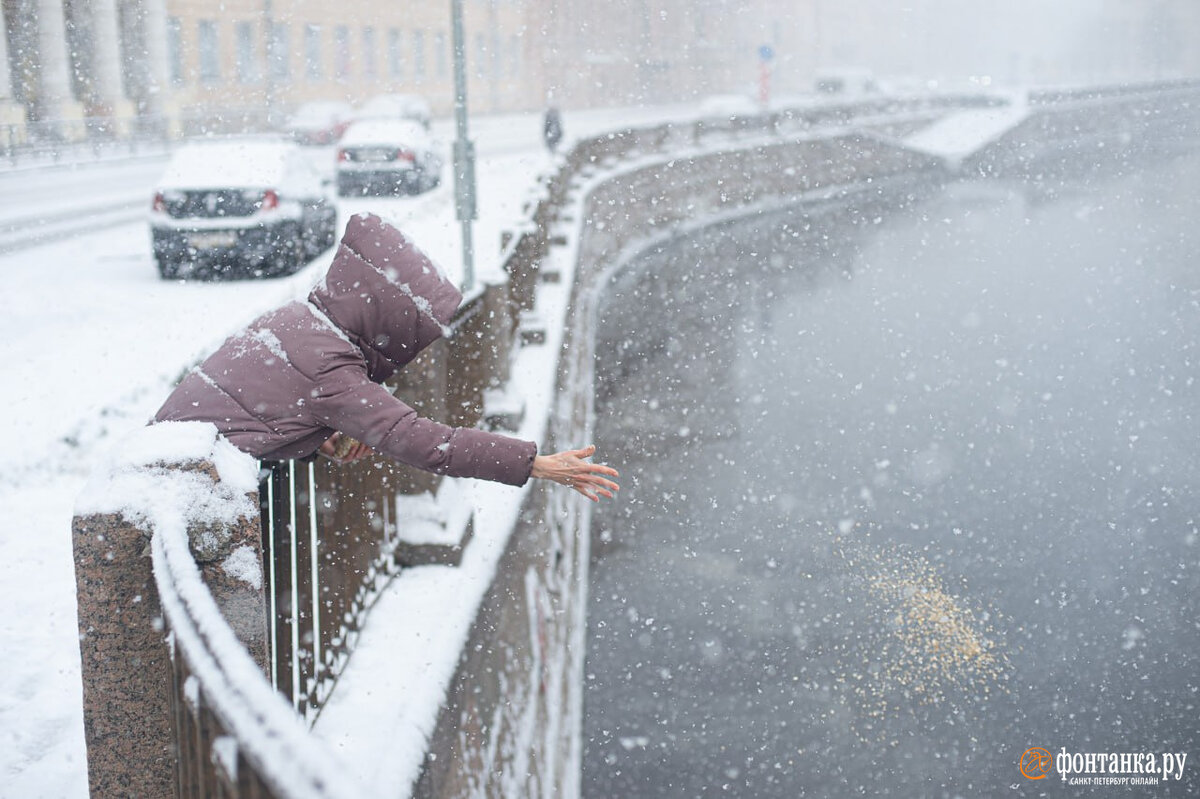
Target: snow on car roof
385, 131
227, 163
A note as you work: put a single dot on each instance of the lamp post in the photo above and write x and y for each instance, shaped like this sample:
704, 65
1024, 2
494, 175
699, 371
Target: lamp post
464, 149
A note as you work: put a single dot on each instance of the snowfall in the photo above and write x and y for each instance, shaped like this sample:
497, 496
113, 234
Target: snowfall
92, 343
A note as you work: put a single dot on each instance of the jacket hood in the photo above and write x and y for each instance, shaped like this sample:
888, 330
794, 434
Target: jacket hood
387, 296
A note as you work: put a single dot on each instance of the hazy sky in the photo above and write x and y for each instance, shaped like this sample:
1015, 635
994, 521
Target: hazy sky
1010, 40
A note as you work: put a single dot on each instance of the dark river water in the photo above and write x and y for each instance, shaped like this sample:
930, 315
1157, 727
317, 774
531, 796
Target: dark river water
904, 494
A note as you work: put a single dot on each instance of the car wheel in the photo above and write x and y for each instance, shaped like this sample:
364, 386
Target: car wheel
290, 255
330, 237
167, 269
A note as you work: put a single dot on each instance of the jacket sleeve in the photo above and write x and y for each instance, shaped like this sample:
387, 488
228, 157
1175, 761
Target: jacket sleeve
348, 401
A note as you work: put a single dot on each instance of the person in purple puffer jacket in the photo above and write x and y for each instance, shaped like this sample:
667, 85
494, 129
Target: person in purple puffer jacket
306, 377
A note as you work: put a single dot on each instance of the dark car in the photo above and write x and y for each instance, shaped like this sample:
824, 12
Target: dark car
387, 157
240, 207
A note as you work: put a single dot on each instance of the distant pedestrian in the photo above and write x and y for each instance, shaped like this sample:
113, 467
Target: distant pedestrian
305, 378
552, 129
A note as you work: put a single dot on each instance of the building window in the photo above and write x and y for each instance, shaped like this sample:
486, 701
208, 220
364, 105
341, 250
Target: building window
395, 54
175, 50
418, 56
341, 52
440, 61
246, 63
312, 52
210, 58
514, 56
370, 55
279, 54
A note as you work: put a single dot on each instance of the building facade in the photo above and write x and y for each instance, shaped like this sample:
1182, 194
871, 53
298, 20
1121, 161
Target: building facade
244, 64
201, 64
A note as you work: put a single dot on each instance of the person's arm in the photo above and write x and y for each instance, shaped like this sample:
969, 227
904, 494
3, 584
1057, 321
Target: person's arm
367, 411
570, 469
349, 402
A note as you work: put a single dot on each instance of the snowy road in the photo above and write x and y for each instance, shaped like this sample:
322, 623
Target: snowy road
43, 205
899, 507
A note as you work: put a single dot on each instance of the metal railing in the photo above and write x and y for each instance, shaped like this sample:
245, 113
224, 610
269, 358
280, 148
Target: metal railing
323, 570
234, 735
54, 141
49, 142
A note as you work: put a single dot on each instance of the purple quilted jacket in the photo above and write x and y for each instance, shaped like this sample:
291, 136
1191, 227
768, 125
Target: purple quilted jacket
297, 374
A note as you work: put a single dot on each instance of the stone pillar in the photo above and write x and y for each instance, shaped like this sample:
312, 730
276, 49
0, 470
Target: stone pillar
12, 115
160, 95
57, 104
107, 69
125, 653
126, 666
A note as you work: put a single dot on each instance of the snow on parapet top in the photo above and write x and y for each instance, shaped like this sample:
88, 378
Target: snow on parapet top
134, 481
957, 135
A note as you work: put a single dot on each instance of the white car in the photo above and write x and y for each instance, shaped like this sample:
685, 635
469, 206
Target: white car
250, 207
387, 157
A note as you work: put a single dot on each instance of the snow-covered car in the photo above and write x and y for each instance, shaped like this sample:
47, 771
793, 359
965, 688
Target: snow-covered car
387, 157
396, 106
247, 207
319, 123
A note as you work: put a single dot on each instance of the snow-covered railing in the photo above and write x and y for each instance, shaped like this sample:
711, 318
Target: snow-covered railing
235, 736
173, 631
1099, 94
1082, 128
68, 140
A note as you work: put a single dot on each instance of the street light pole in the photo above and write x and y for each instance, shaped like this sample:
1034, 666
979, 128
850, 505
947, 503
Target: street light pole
464, 149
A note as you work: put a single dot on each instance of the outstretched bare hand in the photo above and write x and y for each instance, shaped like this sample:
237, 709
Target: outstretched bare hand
344, 449
570, 469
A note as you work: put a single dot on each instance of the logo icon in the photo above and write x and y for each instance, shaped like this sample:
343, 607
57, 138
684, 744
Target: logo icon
1036, 763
